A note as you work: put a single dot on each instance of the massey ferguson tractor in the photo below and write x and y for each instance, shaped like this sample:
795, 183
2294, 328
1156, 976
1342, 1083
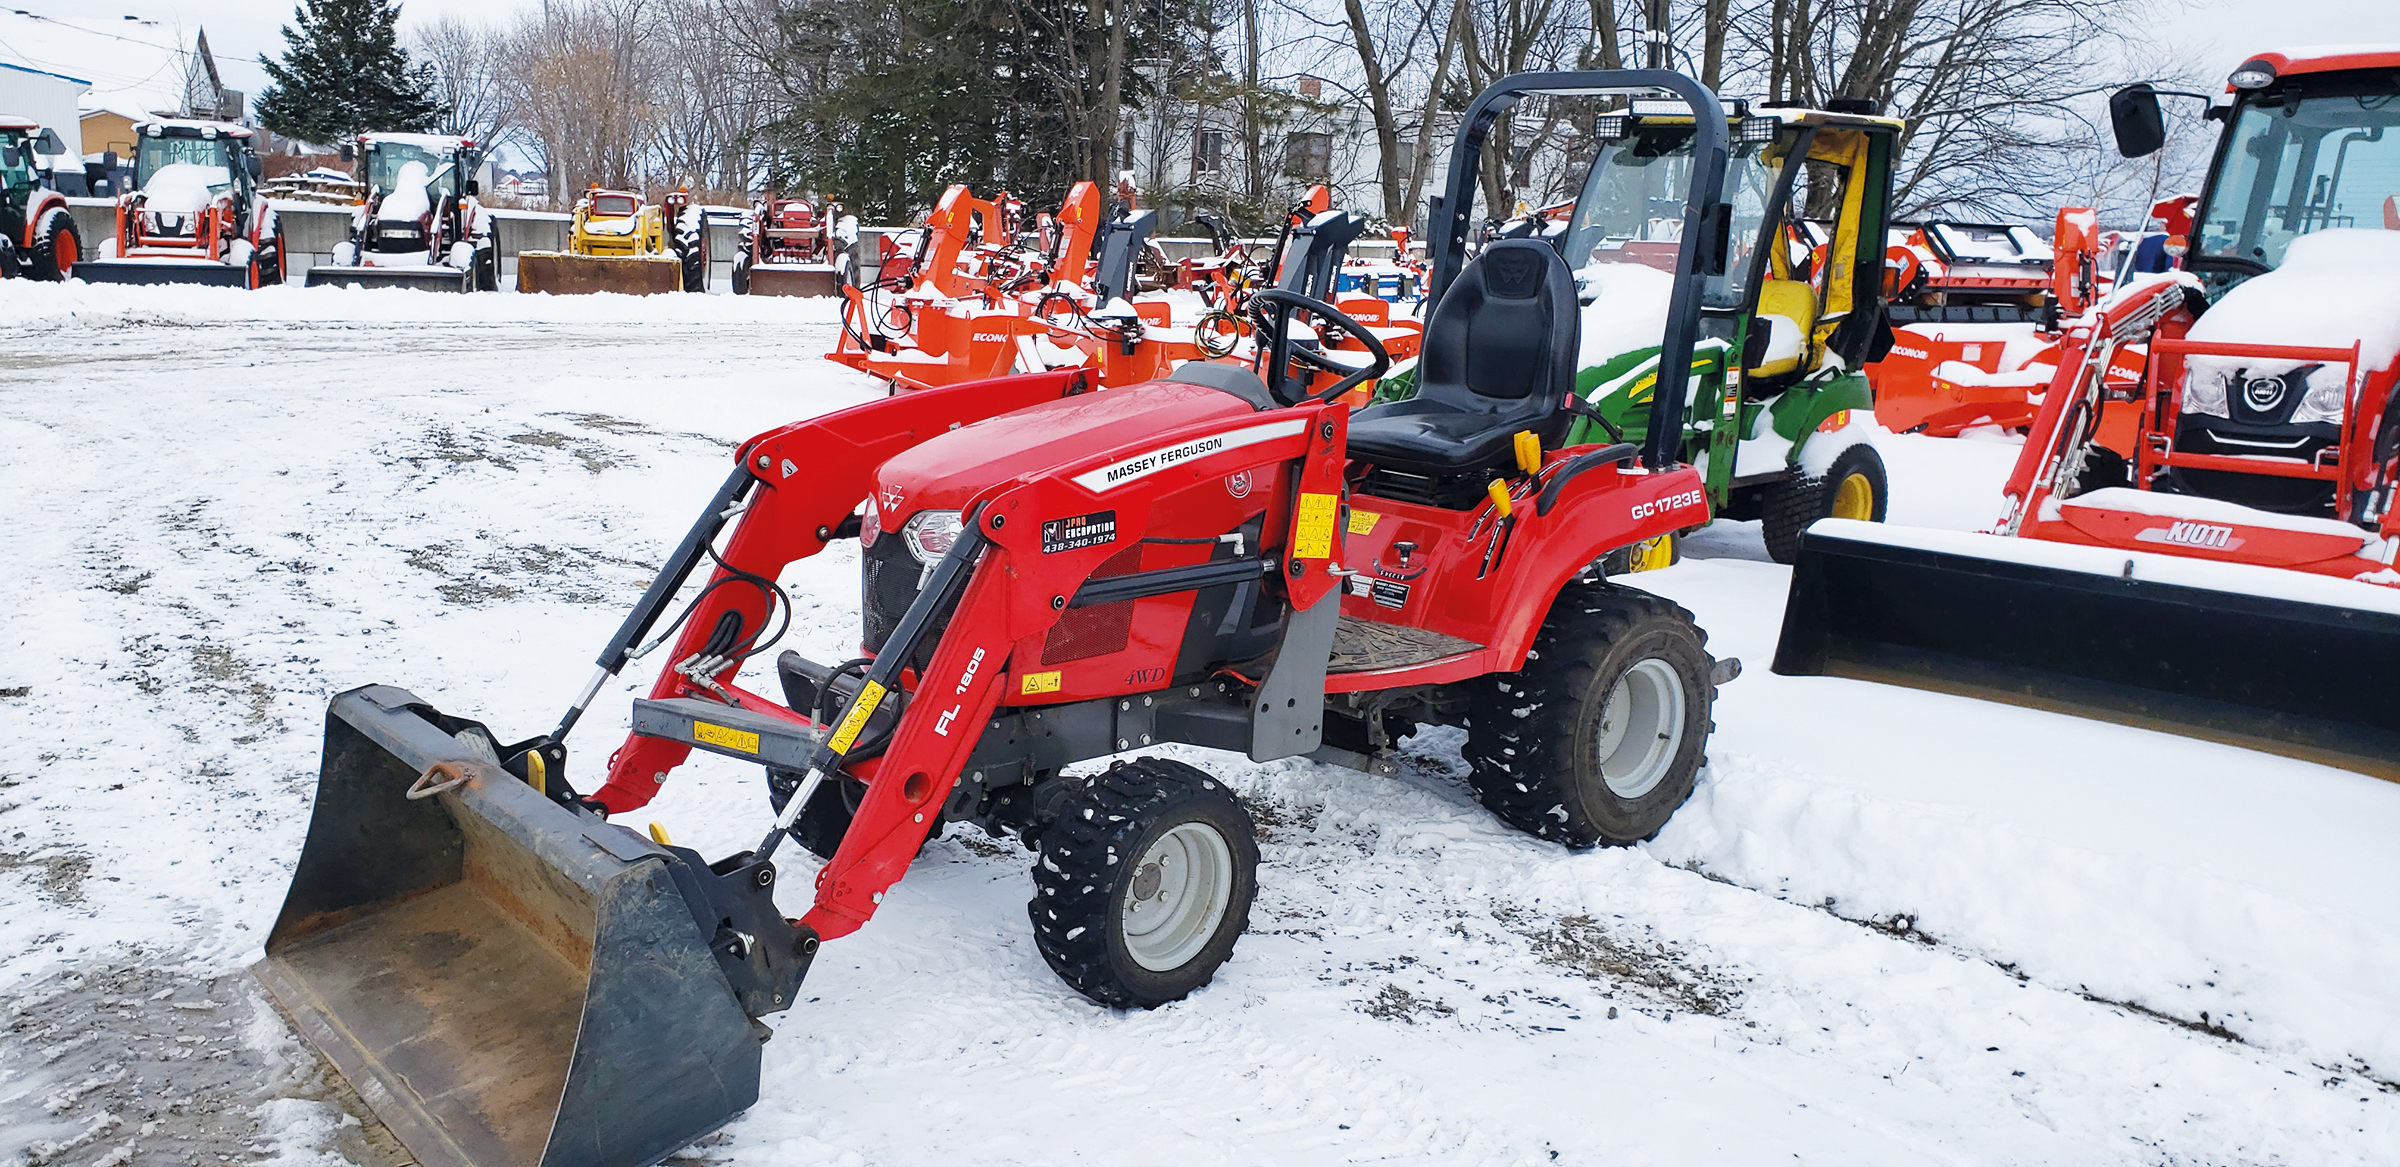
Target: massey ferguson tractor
195, 215
1054, 582
422, 225
2226, 567
37, 233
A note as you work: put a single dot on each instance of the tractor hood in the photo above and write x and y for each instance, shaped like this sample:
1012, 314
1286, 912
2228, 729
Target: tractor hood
184, 188
945, 472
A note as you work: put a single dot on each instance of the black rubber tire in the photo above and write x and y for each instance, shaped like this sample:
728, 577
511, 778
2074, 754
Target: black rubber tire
1794, 503
1079, 885
1532, 734
826, 818
55, 234
741, 274
270, 261
693, 253
487, 268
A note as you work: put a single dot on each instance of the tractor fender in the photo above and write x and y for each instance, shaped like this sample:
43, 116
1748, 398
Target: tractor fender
1800, 410
1560, 546
38, 207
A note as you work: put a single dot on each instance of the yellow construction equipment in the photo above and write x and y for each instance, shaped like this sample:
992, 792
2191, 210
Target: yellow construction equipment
619, 243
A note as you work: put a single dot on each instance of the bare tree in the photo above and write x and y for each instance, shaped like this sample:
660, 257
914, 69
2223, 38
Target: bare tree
465, 60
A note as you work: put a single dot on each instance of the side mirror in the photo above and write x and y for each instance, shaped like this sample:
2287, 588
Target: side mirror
48, 143
2133, 113
256, 168
474, 187
349, 152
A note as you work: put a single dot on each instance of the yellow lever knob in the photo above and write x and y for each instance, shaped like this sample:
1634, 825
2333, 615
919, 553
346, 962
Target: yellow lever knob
1529, 452
1500, 500
658, 835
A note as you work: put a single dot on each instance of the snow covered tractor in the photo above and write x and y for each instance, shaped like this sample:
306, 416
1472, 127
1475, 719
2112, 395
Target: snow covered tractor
37, 233
1778, 417
422, 225
2228, 571
1051, 576
789, 249
619, 243
195, 215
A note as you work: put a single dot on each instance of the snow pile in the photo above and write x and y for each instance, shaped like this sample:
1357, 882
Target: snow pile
28, 305
408, 200
183, 188
1628, 311
2336, 288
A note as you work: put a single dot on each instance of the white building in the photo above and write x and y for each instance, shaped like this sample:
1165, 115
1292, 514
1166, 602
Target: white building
48, 98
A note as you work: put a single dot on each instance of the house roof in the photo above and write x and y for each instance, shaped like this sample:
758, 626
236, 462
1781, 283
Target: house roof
133, 66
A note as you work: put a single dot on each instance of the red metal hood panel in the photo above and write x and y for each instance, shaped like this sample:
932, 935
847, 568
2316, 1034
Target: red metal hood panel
946, 471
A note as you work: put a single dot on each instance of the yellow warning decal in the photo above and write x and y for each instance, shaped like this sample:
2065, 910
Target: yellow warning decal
732, 739
869, 696
1312, 532
1039, 683
1362, 522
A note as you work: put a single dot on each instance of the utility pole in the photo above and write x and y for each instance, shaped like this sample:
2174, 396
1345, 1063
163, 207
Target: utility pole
1655, 35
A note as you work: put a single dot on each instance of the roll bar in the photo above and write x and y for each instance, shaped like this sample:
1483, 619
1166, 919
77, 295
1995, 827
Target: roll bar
1704, 217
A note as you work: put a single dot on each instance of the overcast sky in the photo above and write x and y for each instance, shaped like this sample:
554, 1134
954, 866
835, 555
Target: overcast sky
2216, 34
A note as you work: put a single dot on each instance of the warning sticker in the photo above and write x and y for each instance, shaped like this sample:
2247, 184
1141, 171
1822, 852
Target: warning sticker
1078, 532
1312, 530
1362, 522
846, 734
1039, 683
718, 735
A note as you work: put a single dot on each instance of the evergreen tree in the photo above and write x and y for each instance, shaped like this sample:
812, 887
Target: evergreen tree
343, 74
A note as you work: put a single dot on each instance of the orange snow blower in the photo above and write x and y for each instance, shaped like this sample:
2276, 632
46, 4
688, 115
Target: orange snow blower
2229, 571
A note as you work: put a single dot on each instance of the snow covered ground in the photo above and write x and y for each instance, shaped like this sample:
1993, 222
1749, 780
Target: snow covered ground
1890, 927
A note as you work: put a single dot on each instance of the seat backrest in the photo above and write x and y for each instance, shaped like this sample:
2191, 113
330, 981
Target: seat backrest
1502, 340
1789, 308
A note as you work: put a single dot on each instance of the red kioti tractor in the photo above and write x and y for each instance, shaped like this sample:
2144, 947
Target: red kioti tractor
1052, 576
196, 216
37, 232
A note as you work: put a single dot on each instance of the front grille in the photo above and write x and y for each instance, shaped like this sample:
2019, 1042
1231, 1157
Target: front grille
888, 585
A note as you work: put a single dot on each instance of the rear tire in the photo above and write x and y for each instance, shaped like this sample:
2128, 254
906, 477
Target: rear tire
56, 248
1143, 882
1854, 487
741, 274
826, 818
487, 269
1600, 737
1650, 554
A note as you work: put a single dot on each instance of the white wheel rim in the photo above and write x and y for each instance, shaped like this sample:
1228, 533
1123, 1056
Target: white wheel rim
1175, 897
1641, 728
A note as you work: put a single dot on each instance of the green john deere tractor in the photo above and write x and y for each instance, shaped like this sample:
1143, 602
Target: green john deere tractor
1792, 313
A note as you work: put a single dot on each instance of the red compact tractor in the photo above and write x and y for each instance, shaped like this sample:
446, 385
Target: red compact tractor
1051, 576
789, 248
197, 216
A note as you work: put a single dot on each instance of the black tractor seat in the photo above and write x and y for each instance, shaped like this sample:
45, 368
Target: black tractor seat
1498, 359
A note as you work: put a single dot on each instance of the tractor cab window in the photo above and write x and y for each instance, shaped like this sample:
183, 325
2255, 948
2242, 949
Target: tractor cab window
16, 167
613, 207
2299, 159
1632, 205
161, 152
387, 160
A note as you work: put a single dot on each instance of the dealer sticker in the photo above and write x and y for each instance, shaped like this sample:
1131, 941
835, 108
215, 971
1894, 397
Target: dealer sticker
1078, 532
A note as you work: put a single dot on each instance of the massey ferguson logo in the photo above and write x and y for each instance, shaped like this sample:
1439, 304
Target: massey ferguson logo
2207, 535
1237, 484
892, 498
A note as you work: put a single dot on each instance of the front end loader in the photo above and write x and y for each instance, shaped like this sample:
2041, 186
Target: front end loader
423, 224
196, 215
617, 243
1051, 576
2227, 572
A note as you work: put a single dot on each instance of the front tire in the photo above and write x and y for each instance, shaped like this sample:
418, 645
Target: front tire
741, 274
1854, 487
826, 818
1600, 737
55, 248
1143, 882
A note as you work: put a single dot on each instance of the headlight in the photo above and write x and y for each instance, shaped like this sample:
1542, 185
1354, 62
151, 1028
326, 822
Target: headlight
2327, 391
2204, 390
869, 525
930, 534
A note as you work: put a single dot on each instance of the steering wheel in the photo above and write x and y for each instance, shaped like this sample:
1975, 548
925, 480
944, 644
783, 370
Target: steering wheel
1279, 304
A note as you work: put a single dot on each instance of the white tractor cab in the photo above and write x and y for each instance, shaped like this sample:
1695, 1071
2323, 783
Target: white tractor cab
195, 215
422, 225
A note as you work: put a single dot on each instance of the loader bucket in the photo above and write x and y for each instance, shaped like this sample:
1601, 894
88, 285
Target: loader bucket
2296, 665
506, 981
567, 274
795, 279
205, 273
431, 279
